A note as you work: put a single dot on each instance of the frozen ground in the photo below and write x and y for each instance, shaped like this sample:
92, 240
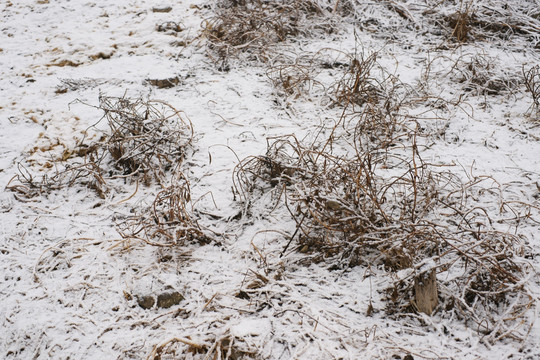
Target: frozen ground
69, 283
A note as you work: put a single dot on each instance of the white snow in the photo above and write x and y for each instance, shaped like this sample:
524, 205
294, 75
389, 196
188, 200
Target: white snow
68, 281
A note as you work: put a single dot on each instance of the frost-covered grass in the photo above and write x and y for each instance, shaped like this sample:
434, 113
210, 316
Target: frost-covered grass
286, 174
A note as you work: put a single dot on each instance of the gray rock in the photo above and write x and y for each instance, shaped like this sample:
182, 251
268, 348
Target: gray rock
162, 9
166, 300
146, 302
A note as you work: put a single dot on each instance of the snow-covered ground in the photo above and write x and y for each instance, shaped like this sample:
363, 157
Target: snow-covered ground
71, 287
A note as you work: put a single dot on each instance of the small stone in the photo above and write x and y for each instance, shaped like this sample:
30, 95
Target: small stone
178, 43
164, 83
170, 27
408, 357
243, 295
146, 302
166, 300
162, 9
104, 55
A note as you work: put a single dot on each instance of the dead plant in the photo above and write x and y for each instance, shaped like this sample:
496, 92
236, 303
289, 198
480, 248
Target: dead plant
460, 22
225, 347
284, 160
253, 27
365, 81
492, 19
478, 75
387, 209
88, 173
532, 83
358, 85
147, 138
169, 221
295, 77
230, 347
503, 21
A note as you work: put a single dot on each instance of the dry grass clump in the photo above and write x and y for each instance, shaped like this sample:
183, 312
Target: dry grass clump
225, 347
29, 185
358, 84
505, 20
230, 347
459, 22
361, 80
376, 202
283, 162
146, 140
384, 208
168, 221
254, 26
478, 75
532, 83
474, 74
379, 128
493, 19
295, 76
